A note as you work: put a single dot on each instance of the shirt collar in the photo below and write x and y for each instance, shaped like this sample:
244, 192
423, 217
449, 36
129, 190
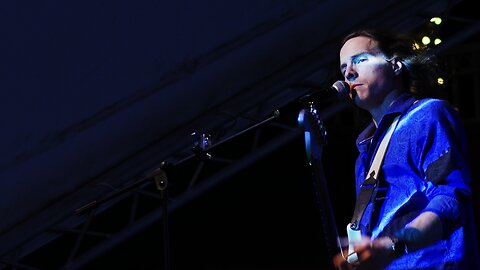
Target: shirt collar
399, 106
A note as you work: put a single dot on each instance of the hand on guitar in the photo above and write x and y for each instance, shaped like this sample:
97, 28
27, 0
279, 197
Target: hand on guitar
372, 254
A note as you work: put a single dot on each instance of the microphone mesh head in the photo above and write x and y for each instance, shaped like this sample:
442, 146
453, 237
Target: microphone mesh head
343, 88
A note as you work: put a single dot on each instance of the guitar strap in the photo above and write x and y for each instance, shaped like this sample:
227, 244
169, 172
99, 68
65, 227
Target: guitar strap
369, 186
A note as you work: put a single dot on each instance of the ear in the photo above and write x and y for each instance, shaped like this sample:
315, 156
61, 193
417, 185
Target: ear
397, 66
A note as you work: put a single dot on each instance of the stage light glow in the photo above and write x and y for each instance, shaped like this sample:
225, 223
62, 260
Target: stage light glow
425, 40
436, 20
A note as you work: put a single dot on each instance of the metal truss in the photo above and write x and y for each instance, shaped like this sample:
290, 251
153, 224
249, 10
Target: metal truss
151, 200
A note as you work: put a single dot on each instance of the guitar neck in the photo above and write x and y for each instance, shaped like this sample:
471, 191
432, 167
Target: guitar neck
329, 226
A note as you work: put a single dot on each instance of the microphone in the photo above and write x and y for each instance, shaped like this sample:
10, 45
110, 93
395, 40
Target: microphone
340, 90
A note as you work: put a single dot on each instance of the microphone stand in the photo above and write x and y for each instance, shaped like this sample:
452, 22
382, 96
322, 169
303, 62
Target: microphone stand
159, 175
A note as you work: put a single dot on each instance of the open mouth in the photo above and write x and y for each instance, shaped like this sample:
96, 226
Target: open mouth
353, 86
353, 91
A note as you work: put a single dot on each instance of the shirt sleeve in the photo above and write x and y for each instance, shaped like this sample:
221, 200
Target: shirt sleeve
444, 163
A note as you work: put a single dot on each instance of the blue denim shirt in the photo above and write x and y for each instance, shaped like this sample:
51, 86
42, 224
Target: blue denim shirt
425, 168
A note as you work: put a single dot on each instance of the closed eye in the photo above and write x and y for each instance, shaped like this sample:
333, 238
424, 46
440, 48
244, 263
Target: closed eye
355, 60
359, 59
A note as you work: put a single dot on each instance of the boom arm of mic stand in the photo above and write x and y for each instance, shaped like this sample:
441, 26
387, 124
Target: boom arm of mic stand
94, 204
161, 170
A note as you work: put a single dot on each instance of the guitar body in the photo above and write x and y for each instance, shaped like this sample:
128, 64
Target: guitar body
354, 236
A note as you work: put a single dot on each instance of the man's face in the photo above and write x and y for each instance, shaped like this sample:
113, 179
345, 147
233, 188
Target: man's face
367, 70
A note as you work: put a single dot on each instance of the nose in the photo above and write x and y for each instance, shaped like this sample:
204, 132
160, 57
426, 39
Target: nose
350, 73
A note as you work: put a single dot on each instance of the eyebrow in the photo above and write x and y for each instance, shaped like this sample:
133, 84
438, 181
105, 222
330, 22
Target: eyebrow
344, 65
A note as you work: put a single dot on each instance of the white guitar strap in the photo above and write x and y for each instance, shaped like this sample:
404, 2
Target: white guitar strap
367, 192
378, 159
